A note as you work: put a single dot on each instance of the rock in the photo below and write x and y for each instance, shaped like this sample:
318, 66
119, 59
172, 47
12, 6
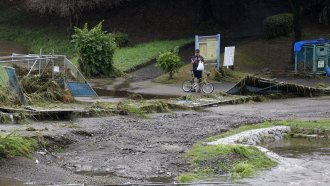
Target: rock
31, 129
168, 174
41, 152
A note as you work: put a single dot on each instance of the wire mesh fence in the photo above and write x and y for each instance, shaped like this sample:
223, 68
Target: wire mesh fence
305, 60
57, 67
17, 67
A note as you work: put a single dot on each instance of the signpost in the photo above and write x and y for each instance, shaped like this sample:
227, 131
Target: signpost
210, 48
229, 57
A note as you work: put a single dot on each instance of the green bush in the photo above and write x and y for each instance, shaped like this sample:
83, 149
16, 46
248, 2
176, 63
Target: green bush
96, 49
169, 62
121, 39
278, 25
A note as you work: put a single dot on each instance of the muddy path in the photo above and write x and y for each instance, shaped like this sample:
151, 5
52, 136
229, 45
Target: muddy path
119, 149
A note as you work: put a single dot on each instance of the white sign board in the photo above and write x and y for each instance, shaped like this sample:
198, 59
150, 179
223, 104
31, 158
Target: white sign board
56, 69
229, 56
320, 64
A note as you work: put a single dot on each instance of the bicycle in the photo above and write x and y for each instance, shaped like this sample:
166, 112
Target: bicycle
189, 85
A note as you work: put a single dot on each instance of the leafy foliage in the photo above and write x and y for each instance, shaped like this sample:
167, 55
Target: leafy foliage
169, 62
278, 25
96, 49
121, 39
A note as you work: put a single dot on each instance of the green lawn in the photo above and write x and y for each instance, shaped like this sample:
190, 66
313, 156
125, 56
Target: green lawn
126, 59
35, 39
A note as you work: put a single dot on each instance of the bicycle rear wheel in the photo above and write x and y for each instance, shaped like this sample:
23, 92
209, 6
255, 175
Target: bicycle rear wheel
187, 86
207, 88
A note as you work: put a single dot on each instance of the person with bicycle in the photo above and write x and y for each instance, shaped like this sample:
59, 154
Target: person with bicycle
195, 60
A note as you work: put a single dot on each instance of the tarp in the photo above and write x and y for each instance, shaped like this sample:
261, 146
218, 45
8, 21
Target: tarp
298, 45
13, 82
81, 89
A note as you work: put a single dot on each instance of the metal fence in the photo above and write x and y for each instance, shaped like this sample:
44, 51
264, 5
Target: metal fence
57, 67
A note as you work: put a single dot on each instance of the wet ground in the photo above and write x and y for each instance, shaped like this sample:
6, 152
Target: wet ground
119, 149
305, 162
121, 87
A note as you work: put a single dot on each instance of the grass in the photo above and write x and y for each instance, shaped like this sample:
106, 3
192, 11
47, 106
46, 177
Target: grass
228, 75
127, 59
134, 107
239, 160
295, 125
47, 39
257, 54
12, 145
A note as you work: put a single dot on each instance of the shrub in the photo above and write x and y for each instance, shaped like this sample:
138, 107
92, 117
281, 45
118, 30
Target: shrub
96, 49
121, 39
278, 25
169, 62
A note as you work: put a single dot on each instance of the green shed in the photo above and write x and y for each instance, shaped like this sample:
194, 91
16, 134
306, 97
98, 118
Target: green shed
312, 56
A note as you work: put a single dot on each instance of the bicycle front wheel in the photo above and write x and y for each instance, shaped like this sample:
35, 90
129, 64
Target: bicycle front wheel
187, 86
207, 88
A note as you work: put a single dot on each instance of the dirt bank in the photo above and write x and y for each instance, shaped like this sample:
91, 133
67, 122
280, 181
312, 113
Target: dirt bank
120, 149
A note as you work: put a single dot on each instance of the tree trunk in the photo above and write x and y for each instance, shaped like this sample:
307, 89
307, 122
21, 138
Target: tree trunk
199, 12
74, 20
204, 12
170, 75
297, 28
75, 16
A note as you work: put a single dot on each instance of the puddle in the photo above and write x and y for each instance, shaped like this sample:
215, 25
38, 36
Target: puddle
307, 162
161, 180
10, 182
95, 173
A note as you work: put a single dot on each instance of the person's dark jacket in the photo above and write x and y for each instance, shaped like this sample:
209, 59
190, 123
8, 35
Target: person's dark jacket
197, 60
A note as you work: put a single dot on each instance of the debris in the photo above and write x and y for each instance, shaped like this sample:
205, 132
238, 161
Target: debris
257, 85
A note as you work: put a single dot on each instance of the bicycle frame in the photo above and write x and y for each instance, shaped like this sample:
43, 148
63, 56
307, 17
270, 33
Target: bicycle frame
204, 77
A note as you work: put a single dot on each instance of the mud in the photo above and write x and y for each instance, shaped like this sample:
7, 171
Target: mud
118, 149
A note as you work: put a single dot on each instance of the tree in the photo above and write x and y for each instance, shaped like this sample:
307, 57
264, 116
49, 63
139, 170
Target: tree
169, 62
297, 8
321, 7
325, 13
73, 9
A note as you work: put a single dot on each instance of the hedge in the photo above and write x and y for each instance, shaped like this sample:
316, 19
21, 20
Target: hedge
278, 25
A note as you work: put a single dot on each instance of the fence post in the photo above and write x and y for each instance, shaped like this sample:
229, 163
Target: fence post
219, 52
